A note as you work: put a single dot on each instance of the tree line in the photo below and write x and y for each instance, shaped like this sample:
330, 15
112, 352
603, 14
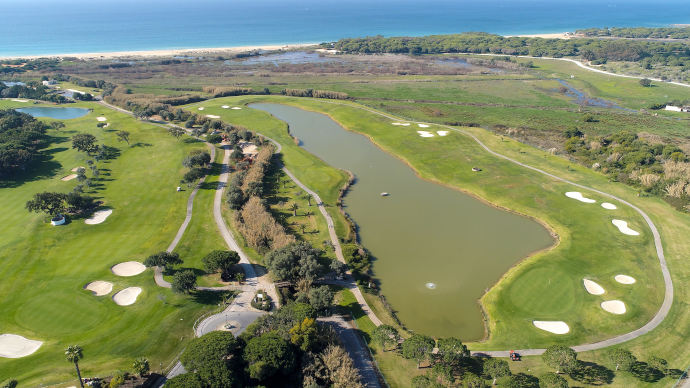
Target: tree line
638, 32
21, 139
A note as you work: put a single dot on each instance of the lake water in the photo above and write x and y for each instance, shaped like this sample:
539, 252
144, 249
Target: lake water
54, 113
52, 27
436, 249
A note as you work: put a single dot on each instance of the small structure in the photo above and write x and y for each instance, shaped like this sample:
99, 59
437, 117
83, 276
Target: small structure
385, 194
515, 356
476, 169
49, 83
179, 188
673, 108
57, 220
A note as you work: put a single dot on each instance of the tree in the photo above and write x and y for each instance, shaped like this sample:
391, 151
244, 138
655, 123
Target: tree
561, 358
451, 351
622, 359
552, 380
658, 363
185, 380
197, 158
321, 297
418, 348
294, 208
123, 136
470, 380
176, 132
163, 259
74, 353
386, 336
443, 373
141, 366
189, 123
268, 355
338, 267
50, 203
646, 82
341, 369
184, 281
520, 380
293, 262
495, 368
85, 142
239, 277
194, 175
220, 260
216, 358
235, 198
303, 334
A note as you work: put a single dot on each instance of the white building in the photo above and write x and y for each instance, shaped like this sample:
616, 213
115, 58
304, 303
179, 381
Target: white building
673, 108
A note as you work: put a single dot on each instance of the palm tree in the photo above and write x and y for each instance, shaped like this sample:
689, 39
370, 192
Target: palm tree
74, 354
294, 208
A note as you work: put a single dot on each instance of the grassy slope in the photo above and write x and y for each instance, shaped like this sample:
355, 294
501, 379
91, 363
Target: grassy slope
44, 268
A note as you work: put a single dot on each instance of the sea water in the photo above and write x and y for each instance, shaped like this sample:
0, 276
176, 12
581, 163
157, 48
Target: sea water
35, 27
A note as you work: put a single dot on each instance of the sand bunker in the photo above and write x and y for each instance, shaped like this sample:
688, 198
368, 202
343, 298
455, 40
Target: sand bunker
236, 108
99, 287
422, 126
555, 327
101, 118
18, 100
127, 296
225, 107
623, 227
68, 177
128, 268
98, 217
592, 287
213, 116
201, 108
614, 306
77, 168
609, 206
425, 134
578, 195
624, 279
442, 133
16, 346
403, 124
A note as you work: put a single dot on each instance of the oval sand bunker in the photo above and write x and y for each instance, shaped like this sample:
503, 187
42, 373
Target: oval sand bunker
128, 268
100, 287
127, 296
624, 279
16, 346
593, 287
98, 217
614, 306
578, 196
555, 327
609, 206
623, 227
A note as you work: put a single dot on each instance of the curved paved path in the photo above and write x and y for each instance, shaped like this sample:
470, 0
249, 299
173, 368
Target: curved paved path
668, 283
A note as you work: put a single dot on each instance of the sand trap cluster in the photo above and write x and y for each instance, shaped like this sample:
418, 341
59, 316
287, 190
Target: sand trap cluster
624, 279
213, 116
127, 296
555, 327
425, 134
101, 118
593, 287
578, 196
623, 227
403, 124
18, 100
68, 177
442, 133
236, 108
422, 126
201, 108
225, 107
99, 287
609, 206
128, 268
614, 307
98, 217
16, 346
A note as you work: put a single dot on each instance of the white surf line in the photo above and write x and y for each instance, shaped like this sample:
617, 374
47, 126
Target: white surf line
668, 282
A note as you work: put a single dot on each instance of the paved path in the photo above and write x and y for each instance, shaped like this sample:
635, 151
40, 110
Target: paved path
668, 283
356, 348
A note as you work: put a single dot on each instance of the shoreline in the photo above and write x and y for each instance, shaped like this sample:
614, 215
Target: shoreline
201, 51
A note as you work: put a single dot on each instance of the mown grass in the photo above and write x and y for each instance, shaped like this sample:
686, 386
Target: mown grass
44, 268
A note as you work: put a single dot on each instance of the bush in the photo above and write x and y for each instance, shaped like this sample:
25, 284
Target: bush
184, 281
214, 139
264, 303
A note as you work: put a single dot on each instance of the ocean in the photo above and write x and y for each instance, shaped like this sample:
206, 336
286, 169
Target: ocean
37, 27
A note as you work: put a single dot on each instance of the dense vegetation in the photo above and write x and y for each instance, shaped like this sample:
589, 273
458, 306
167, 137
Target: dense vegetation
32, 90
638, 32
671, 53
21, 138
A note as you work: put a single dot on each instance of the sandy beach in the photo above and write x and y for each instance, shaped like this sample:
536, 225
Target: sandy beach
560, 35
193, 52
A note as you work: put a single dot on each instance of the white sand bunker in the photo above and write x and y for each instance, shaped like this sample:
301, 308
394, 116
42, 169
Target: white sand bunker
201, 108
578, 195
98, 217
425, 134
225, 106
609, 206
128, 268
555, 327
236, 108
623, 227
68, 177
99, 287
213, 116
592, 287
18, 100
101, 118
16, 346
624, 279
443, 133
127, 296
403, 124
614, 306
422, 126
77, 168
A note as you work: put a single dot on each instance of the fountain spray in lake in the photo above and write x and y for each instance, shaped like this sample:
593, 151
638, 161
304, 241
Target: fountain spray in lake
431, 286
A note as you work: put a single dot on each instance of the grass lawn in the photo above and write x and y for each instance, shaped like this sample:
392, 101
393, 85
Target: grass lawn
44, 267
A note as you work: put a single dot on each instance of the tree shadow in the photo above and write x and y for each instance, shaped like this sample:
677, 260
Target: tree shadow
592, 374
209, 297
643, 372
43, 167
191, 140
140, 144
